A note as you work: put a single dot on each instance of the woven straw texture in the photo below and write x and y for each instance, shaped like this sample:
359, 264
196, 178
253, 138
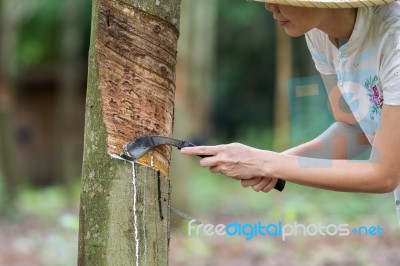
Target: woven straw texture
329, 3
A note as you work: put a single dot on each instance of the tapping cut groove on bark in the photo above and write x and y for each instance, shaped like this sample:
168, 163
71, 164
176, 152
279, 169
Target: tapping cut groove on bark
136, 56
159, 195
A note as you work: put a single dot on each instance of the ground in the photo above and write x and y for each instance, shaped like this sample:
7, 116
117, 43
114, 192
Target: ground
33, 242
42, 228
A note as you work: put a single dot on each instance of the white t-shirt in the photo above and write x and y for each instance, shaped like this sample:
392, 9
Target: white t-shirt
367, 66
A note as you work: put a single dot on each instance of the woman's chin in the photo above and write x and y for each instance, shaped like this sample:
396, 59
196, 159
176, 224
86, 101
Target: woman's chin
293, 32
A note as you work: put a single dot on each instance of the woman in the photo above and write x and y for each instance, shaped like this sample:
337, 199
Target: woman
357, 51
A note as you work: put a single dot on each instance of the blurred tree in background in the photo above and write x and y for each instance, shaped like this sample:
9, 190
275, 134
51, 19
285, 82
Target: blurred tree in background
194, 97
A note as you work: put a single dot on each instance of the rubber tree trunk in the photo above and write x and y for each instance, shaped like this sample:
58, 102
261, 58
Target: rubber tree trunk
124, 212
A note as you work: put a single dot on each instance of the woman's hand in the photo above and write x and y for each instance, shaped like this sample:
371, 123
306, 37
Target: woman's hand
237, 161
264, 184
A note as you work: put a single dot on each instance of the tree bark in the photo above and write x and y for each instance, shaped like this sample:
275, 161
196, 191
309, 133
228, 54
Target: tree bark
124, 212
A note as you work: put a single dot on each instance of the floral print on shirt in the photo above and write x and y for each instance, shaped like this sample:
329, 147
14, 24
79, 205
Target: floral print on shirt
375, 96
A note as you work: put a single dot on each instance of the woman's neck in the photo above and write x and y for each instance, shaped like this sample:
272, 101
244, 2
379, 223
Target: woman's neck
339, 23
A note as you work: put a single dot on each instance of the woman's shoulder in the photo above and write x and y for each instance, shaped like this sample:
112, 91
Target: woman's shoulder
321, 51
389, 9
388, 14
316, 37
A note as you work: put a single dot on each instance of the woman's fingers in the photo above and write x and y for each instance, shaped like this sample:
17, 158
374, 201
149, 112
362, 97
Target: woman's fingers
233, 160
262, 184
200, 150
214, 170
270, 186
250, 182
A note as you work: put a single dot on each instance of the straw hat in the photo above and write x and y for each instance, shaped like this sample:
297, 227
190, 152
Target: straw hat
329, 3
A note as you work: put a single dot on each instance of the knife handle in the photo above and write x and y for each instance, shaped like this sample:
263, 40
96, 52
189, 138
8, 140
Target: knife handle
280, 184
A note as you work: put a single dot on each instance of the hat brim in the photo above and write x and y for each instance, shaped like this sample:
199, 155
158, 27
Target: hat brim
329, 3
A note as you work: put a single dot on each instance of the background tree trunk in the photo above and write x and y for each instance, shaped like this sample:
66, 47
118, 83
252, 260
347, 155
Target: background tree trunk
195, 80
124, 212
284, 73
9, 24
69, 79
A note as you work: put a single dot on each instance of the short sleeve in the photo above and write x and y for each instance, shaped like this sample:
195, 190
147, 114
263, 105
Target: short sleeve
390, 69
316, 42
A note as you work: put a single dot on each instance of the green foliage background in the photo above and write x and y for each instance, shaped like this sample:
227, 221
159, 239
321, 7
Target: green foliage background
244, 88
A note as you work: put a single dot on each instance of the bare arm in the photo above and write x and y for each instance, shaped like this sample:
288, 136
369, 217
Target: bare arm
342, 140
379, 174
339, 141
